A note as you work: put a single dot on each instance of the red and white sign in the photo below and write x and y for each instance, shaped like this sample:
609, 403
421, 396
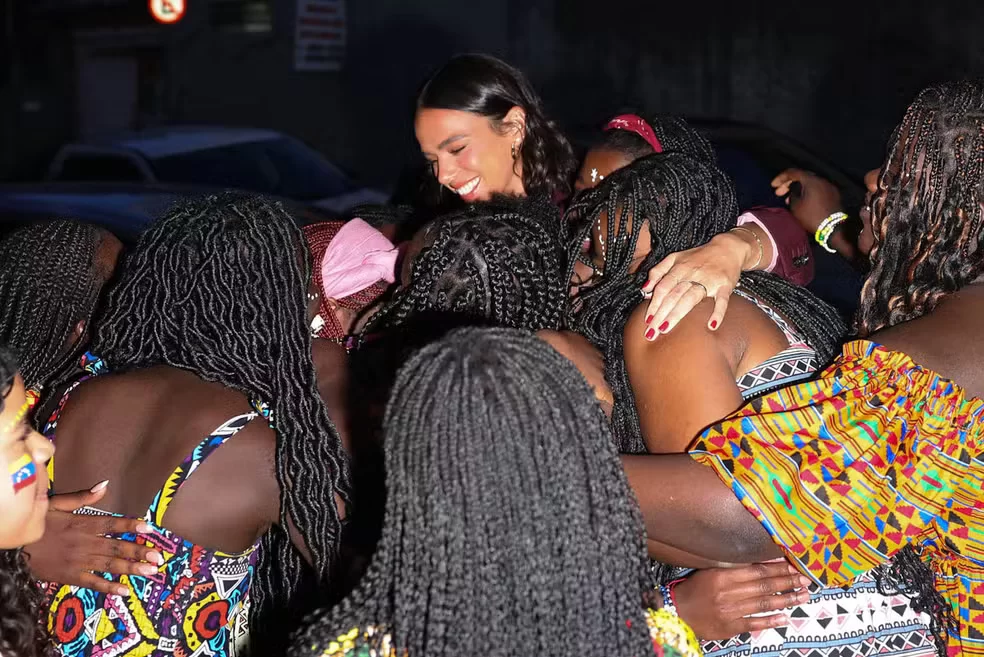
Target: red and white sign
167, 11
320, 37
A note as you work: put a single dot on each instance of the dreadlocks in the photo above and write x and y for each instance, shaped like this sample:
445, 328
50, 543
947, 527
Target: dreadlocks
218, 287
21, 632
685, 202
500, 261
928, 214
509, 525
48, 284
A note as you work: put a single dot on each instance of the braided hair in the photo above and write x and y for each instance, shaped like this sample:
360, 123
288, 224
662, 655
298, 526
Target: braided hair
48, 284
685, 202
501, 261
673, 132
555, 566
927, 216
218, 287
484, 85
21, 631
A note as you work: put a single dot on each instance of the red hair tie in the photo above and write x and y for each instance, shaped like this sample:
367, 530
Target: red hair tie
638, 125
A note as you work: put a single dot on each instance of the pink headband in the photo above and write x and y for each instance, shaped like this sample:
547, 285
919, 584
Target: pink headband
357, 257
638, 125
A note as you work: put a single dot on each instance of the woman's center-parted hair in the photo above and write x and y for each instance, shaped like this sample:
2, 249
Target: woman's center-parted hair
501, 479
218, 287
484, 85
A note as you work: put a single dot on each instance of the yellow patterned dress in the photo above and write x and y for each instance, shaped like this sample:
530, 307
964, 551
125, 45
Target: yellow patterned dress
878, 453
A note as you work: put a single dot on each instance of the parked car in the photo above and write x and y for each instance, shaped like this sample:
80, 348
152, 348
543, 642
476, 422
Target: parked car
124, 209
261, 161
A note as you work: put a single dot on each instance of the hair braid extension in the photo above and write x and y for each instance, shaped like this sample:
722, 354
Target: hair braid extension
48, 284
21, 630
218, 287
501, 262
685, 202
502, 479
927, 215
675, 136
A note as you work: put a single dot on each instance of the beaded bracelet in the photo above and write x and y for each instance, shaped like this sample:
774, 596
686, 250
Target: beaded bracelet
757, 241
827, 228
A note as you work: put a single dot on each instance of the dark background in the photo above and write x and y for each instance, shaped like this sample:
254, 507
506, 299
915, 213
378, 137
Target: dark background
835, 76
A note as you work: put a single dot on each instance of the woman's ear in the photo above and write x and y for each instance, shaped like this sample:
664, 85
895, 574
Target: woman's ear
515, 123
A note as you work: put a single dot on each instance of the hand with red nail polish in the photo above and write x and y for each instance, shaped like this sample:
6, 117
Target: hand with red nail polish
682, 280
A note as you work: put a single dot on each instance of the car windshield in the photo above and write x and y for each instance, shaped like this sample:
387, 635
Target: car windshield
279, 166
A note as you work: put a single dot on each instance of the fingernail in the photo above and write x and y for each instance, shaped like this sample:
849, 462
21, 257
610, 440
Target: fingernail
650, 334
649, 318
156, 558
805, 581
663, 327
144, 528
123, 592
100, 486
714, 324
147, 570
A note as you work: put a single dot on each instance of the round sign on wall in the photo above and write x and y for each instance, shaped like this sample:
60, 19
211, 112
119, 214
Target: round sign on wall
167, 11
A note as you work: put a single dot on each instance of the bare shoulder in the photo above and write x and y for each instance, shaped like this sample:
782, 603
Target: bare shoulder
948, 341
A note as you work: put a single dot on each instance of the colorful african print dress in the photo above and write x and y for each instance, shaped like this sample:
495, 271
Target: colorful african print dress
671, 637
875, 455
196, 604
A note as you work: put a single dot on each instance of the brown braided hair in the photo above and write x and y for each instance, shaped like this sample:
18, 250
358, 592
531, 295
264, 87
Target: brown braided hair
927, 214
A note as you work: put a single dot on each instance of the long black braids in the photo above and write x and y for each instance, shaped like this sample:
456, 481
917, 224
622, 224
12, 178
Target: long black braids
685, 202
21, 630
928, 215
509, 526
502, 262
675, 135
48, 284
218, 286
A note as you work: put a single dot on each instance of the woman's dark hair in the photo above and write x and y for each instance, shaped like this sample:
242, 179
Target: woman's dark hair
48, 283
510, 528
218, 287
21, 630
675, 136
685, 202
487, 86
502, 262
927, 216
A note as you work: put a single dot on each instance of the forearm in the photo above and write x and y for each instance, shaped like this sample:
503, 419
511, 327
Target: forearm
685, 506
681, 558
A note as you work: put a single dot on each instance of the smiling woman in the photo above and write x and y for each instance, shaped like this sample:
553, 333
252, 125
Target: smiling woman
481, 127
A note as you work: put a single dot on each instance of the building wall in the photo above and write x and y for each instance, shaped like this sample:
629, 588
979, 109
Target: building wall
361, 116
836, 76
